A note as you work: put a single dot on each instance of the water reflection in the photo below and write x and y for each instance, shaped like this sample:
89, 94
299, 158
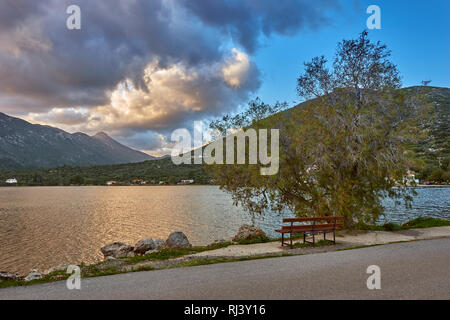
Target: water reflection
46, 226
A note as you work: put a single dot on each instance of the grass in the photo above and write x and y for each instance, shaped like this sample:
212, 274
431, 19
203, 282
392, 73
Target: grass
426, 223
261, 239
54, 276
420, 222
200, 262
103, 269
172, 253
319, 243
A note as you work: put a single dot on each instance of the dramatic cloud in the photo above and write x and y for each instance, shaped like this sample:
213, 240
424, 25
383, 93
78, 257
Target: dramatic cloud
138, 69
246, 21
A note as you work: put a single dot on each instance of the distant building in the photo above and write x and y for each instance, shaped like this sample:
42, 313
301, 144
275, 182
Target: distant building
110, 182
138, 181
187, 181
411, 177
11, 180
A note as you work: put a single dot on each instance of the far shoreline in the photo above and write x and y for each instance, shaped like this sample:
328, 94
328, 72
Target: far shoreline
176, 185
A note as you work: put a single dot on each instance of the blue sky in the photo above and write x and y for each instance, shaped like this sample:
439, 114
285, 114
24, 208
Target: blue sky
417, 32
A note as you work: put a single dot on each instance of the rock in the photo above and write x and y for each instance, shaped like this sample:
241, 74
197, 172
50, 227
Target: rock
247, 232
61, 267
177, 240
110, 258
116, 250
159, 244
143, 246
131, 254
7, 276
151, 251
33, 275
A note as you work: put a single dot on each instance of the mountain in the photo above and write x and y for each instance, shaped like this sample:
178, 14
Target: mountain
24, 145
431, 153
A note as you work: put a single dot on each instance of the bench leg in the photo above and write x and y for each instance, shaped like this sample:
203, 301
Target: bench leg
282, 239
304, 237
324, 236
314, 241
290, 235
334, 237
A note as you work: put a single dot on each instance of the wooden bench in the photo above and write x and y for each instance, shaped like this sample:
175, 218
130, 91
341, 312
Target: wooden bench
311, 226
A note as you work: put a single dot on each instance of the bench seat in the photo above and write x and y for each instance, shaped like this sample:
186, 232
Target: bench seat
311, 226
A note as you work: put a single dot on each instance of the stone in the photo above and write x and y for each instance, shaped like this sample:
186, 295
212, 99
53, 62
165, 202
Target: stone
143, 246
151, 251
7, 276
247, 232
116, 250
131, 254
159, 244
177, 240
61, 267
33, 275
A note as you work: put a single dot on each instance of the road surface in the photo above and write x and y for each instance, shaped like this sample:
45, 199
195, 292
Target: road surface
413, 270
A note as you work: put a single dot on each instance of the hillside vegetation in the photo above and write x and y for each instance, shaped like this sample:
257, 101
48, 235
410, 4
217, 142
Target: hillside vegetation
430, 159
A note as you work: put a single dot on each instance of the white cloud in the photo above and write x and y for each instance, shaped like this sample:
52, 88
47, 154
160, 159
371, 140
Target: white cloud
236, 70
175, 94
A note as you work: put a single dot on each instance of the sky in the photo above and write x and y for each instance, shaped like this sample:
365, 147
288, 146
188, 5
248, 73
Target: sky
140, 69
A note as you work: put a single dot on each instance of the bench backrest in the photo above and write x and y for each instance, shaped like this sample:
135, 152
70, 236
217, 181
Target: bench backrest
318, 223
313, 219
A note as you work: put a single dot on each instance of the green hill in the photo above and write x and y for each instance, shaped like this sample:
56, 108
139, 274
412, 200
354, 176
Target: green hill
430, 158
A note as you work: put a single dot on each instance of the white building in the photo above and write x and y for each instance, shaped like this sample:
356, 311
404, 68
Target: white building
187, 181
11, 180
411, 177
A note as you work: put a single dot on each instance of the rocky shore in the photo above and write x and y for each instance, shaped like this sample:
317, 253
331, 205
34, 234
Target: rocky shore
117, 250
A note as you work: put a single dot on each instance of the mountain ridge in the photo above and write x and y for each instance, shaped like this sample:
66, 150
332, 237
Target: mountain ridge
24, 145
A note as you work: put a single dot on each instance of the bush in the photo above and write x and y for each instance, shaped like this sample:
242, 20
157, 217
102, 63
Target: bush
422, 222
390, 226
255, 240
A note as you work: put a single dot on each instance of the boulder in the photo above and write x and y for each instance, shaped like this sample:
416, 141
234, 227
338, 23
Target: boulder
151, 251
159, 244
247, 232
116, 250
7, 276
33, 275
143, 246
177, 240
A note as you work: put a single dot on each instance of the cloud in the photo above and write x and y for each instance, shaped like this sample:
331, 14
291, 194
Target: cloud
68, 117
138, 66
236, 71
247, 21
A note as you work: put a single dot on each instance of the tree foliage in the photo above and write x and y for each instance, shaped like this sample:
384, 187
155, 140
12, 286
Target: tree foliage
342, 152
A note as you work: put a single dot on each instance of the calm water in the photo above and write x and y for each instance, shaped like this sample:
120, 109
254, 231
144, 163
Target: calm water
46, 226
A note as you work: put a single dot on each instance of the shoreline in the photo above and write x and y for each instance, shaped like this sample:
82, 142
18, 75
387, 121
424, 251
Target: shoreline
182, 185
223, 252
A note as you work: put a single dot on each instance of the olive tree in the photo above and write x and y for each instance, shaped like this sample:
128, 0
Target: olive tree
341, 152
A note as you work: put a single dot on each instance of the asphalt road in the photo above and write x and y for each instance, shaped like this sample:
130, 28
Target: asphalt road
413, 270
